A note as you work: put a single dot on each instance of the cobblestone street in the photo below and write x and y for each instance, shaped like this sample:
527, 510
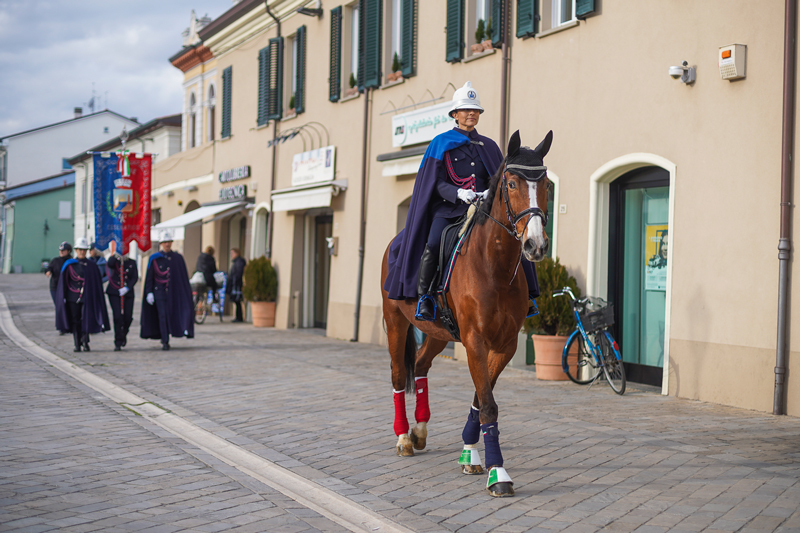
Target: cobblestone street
582, 460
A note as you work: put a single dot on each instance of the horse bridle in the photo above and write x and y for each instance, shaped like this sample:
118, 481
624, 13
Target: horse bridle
529, 212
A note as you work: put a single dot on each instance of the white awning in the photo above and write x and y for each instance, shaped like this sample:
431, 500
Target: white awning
192, 218
307, 196
402, 166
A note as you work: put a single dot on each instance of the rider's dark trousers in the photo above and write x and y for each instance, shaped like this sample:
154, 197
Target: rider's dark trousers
75, 313
163, 316
122, 316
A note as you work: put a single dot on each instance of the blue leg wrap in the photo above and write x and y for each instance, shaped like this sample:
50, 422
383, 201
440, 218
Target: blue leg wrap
491, 444
472, 429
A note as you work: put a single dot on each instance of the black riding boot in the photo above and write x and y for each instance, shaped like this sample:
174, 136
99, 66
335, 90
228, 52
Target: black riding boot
426, 309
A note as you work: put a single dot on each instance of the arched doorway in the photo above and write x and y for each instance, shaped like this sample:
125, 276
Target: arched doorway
259, 236
192, 238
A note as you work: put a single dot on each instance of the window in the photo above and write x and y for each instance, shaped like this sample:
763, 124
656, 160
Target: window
155, 216
83, 197
65, 164
270, 81
105, 130
550, 14
297, 59
227, 88
212, 106
354, 40
191, 138
471, 22
400, 36
64, 210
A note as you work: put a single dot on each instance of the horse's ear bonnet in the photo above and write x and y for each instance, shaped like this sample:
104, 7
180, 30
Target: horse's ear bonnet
526, 163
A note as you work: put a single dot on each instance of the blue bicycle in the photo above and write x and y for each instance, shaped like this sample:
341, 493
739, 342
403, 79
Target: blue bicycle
597, 351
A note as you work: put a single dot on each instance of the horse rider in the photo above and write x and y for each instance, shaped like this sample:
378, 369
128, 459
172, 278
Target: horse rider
122, 276
455, 172
80, 306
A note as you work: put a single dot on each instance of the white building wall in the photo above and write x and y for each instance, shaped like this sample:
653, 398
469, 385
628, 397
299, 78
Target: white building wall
39, 154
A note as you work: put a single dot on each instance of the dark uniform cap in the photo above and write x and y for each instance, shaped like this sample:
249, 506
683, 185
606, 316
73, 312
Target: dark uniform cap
65, 246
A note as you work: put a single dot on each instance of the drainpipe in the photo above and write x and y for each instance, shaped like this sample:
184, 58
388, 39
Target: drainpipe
785, 242
271, 220
363, 218
504, 78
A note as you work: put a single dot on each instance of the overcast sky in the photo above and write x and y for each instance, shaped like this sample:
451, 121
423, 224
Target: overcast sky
52, 50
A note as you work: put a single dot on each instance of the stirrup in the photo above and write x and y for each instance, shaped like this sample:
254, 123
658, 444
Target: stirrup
417, 314
533, 310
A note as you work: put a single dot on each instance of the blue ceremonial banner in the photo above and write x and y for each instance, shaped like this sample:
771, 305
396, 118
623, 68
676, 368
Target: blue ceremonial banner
107, 219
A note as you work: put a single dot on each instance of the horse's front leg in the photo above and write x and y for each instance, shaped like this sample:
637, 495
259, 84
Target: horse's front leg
402, 349
485, 367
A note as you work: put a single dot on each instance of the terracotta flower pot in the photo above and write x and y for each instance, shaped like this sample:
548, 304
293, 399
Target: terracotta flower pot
548, 349
263, 314
487, 44
476, 48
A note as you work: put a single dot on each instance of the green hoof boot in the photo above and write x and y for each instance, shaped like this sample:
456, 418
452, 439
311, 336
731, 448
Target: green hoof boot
499, 484
470, 460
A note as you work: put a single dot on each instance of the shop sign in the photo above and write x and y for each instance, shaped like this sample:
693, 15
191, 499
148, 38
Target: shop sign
235, 192
233, 174
421, 125
315, 166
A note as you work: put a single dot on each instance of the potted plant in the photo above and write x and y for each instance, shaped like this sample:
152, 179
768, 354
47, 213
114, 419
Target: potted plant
396, 73
555, 321
352, 90
260, 288
480, 31
487, 43
291, 106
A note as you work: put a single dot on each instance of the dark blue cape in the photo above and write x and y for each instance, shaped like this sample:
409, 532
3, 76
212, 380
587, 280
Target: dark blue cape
407, 248
95, 314
180, 304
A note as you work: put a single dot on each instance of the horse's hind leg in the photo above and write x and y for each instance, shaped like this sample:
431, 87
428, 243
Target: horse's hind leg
422, 413
402, 349
470, 459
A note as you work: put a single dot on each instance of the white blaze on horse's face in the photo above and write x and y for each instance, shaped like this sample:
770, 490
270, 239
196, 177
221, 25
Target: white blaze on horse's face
536, 243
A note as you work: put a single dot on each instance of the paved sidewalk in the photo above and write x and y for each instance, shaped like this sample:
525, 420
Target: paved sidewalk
581, 460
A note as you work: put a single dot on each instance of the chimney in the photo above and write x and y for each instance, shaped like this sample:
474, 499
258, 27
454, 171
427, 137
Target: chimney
78, 112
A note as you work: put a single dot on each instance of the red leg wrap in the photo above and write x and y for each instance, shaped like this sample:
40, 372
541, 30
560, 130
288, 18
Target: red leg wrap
423, 411
400, 420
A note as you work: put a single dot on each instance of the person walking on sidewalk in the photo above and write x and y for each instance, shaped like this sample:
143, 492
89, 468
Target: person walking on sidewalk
54, 267
80, 306
168, 308
208, 265
122, 276
235, 279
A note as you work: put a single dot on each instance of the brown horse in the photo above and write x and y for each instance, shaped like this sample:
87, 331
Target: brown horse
489, 298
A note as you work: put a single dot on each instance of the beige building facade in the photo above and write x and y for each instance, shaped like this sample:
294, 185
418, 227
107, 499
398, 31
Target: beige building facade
666, 197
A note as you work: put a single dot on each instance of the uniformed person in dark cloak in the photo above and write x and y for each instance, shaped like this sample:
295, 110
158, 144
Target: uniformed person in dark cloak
80, 306
168, 308
122, 276
54, 267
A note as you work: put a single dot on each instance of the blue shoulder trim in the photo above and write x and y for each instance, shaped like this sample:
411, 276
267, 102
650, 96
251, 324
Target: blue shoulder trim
155, 255
68, 262
442, 143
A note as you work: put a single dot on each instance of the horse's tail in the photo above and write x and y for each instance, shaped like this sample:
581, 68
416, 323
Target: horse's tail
410, 358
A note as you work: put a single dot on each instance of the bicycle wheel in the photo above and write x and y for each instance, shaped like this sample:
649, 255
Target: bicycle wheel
200, 309
612, 362
586, 369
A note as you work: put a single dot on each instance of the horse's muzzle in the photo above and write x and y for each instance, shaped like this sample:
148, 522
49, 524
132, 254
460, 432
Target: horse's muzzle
532, 252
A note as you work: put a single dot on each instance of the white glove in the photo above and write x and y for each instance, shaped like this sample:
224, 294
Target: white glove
483, 195
466, 195
123, 291
150, 298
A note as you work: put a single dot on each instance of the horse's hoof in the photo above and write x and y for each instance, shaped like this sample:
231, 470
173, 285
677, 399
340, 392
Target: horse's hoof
404, 446
502, 489
499, 484
419, 435
471, 470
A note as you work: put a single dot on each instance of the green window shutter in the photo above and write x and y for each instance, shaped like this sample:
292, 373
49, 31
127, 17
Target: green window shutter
455, 31
498, 15
300, 75
583, 8
370, 14
407, 38
527, 18
227, 87
335, 80
263, 85
275, 79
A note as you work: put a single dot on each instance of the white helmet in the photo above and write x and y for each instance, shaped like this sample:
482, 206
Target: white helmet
465, 98
166, 236
82, 244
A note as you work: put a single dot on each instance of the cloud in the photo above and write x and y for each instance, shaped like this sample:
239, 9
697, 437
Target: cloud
52, 53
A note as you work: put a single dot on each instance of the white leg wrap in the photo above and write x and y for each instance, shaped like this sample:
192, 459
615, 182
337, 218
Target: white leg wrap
498, 474
470, 455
